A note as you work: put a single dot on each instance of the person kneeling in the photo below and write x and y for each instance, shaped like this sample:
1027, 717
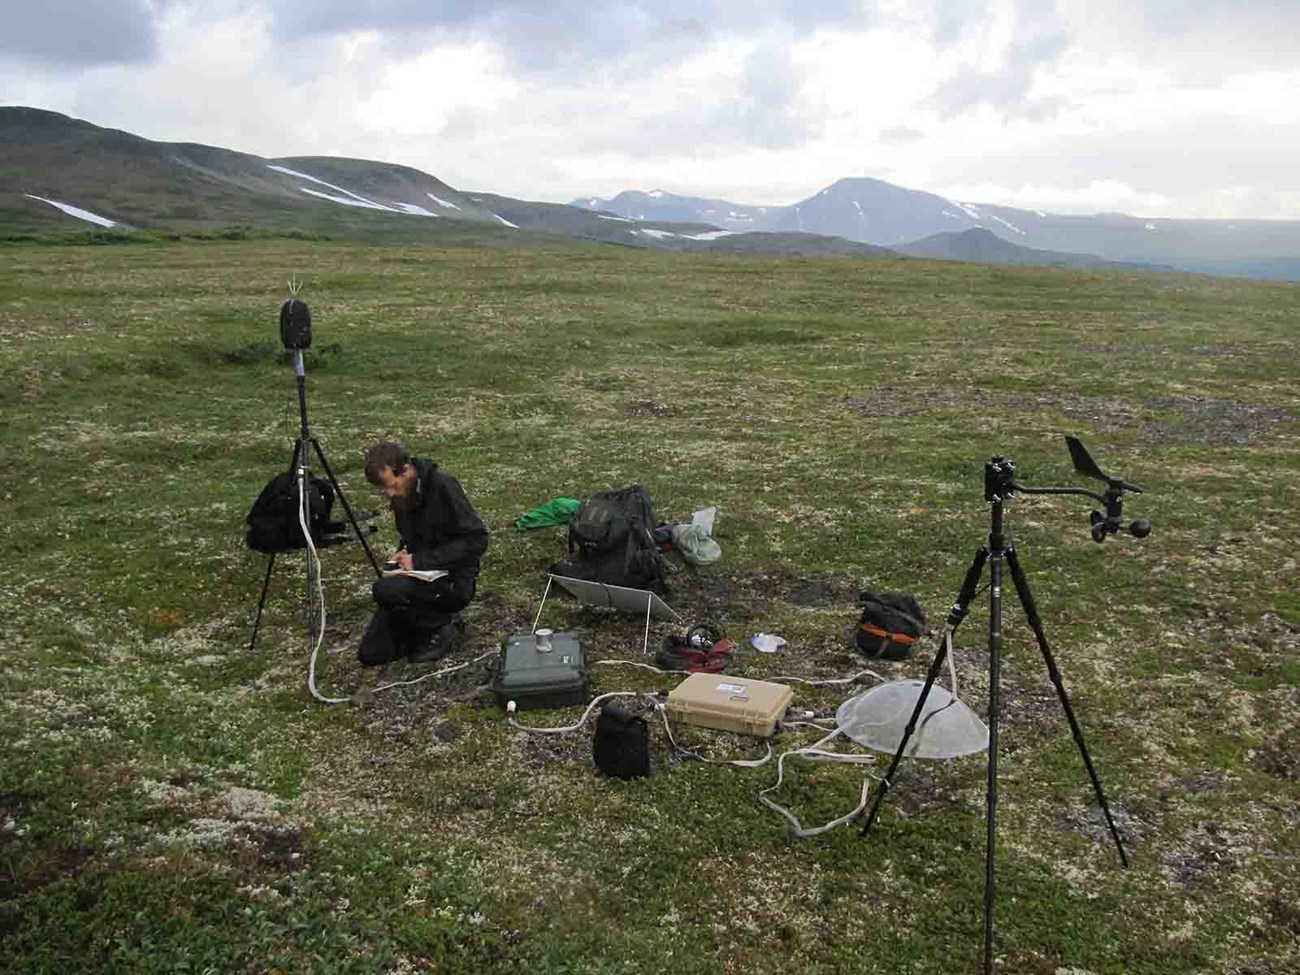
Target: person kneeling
439, 529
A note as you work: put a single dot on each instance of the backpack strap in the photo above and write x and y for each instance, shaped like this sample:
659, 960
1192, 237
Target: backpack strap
886, 636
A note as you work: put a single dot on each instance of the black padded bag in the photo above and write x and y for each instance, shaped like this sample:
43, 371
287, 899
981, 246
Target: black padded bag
621, 746
890, 624
272, 524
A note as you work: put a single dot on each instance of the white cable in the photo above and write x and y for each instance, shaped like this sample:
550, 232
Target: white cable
303, 490
816, 752
510, 715
952, 665
738, 762
808, 724
436, 673
633, 663
830, 680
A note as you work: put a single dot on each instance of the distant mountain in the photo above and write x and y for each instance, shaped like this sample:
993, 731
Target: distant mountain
985, 247
59, 174
875, 212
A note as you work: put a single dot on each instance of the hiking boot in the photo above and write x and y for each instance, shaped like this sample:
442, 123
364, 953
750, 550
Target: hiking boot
437, 643
378, 643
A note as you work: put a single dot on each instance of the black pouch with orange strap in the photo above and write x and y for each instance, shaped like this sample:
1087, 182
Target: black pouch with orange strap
890, 624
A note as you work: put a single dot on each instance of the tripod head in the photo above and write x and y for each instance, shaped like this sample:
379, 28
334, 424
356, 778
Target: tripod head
1000, 484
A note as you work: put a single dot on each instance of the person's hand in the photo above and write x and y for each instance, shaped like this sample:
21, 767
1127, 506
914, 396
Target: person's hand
404, 560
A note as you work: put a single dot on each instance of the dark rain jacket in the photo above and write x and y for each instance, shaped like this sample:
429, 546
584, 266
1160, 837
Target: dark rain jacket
441, 529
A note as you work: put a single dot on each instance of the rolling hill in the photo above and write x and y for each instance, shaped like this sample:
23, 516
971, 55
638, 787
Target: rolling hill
51, 165
875, 212
60, 175
985, 247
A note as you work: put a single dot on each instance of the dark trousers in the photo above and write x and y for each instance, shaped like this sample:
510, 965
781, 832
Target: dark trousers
408, 612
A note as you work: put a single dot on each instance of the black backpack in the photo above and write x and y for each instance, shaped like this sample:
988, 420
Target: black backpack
890, 624
272, 524
611, 540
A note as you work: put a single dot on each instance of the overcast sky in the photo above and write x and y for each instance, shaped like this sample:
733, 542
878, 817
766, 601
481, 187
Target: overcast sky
1150, 107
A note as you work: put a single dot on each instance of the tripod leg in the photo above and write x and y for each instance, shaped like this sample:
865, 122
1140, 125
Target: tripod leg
1036, 624
266, 584
338, 491
995, 710
955, 616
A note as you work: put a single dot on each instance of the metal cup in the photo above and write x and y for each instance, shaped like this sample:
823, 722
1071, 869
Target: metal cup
543, 640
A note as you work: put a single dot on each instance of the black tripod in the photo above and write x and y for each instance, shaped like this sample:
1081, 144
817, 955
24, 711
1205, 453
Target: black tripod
999, 485
295, 331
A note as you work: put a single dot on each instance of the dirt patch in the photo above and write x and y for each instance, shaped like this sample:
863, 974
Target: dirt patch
1277, 755
540, 752
16, 805
185, 777
24, 875
648, 407
1218, 422
1208, 852
1194, 419
926, 786
891, 401
716, 596
280, 849
1285, 911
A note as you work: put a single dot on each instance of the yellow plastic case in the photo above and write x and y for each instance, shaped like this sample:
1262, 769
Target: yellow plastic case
752, 707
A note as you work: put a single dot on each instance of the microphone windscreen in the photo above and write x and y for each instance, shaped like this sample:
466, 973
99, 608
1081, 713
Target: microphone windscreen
295, 324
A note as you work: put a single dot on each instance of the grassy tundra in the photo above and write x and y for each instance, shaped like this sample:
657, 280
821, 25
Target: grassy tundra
170, 801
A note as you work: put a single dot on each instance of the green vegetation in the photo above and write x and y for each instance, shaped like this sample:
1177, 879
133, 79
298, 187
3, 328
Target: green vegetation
170, 801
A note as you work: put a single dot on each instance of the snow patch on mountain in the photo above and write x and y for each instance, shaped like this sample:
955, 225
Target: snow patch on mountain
967, 209
1009, 226
441, 202
710, 235
657, 234
77, 212
505, 221
352, 199
416, 210
347, 201
606, 216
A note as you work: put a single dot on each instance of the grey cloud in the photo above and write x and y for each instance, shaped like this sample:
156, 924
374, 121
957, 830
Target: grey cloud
1200, 42
567, 36
1007, 87
1255, 16
952, 17
77, 32
771, 113
900, 134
